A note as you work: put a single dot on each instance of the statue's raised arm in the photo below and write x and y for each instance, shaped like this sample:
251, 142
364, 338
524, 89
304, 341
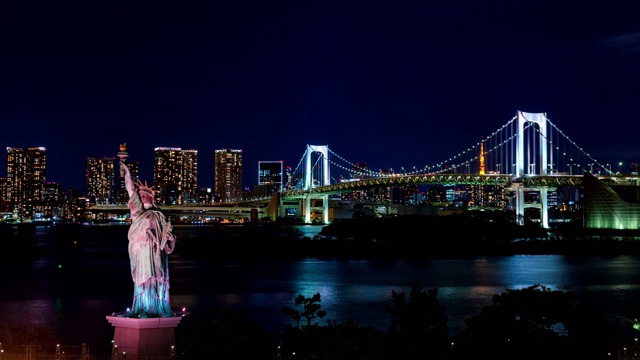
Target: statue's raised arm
128, 181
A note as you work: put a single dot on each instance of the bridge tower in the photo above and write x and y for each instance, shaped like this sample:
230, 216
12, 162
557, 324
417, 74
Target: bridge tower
309, 183
541, 120
528, 168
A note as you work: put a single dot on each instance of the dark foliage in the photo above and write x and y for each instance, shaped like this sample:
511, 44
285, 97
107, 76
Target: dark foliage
335, 341
228, 336
418, 327
535, 323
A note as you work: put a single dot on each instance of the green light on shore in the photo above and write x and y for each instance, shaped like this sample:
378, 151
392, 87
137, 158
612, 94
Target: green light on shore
59, 266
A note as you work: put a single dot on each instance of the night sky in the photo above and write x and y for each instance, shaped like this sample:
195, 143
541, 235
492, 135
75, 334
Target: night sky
395, 84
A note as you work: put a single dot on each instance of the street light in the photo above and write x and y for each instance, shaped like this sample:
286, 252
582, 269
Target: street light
498, 168
619, 166
570, 169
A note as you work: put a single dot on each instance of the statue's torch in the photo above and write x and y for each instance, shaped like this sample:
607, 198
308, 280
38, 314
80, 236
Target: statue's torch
122, 154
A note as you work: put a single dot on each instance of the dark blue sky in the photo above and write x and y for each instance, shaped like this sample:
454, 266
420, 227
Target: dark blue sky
389, 83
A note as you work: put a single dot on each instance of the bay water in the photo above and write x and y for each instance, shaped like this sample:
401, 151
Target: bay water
84, 276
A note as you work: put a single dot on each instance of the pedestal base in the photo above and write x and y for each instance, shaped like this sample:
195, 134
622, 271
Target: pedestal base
153, 336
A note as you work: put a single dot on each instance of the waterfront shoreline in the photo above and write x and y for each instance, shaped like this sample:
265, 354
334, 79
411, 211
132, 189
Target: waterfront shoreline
286, 242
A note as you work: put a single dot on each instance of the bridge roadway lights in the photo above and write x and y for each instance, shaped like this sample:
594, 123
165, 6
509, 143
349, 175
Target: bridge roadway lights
234, 211
542, 183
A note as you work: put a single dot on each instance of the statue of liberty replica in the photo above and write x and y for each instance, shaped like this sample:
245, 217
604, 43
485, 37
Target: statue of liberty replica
150, 243
148, 327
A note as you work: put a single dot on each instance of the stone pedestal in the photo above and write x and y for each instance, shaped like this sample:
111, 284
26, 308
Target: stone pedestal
153, 336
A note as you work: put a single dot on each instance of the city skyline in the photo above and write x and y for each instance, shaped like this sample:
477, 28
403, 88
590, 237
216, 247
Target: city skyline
394, 86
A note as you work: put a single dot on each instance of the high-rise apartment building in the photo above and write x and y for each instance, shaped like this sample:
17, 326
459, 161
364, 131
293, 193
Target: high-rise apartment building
271, 175
205, 196
26, 175
52, 197
190, 190
74, 205
4, 181
167, 171
101, 180
175, 175
228, 175
5, 208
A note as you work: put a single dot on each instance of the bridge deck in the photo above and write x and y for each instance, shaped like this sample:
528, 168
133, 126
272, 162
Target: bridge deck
443, 179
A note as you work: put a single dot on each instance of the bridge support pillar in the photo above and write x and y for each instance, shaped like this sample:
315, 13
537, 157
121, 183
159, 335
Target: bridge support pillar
519, 204
308, 207
544, 208
544, 205
325, 209
307, 210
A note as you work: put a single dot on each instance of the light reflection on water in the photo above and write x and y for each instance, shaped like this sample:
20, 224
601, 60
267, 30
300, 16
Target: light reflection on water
95, 282
309, 230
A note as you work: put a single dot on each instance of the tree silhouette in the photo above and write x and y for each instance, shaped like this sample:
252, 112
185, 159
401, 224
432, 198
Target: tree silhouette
311, 309
535, 323
333, 341
418, 327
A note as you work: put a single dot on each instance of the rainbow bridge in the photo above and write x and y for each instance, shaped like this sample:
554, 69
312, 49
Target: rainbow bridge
528, 154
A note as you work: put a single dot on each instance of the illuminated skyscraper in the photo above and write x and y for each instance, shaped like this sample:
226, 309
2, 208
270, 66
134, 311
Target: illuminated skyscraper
228, 174
175, 175
26, 174
101, 180
190, 191
4, 181
271, 174
52, 197
167, 172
